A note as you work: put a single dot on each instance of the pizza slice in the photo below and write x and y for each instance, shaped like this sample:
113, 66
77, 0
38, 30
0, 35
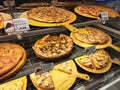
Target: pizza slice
97, 60
17, 84
1, 18
100, 37
7, 63
43, 81
101, 59
65, 67
86, 62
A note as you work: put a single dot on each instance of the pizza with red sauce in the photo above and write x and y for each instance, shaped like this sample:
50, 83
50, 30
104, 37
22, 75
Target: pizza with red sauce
10, 55
93, 11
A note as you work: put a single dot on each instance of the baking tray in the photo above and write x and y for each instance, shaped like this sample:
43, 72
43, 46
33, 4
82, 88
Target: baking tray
29, 38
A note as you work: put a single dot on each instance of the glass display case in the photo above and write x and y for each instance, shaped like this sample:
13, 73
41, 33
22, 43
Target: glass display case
15, 8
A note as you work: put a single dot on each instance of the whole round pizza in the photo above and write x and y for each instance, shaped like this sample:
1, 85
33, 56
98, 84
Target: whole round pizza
52, 47
49, 14
94, 36
93, 11
10, 55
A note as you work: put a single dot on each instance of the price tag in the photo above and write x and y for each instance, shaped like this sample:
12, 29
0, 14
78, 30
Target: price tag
9, 26
21, 25
90, 50
44, 68
16, 25
103, 17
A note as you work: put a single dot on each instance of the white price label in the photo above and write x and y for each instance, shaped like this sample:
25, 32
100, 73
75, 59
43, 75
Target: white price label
21, 24
103, 16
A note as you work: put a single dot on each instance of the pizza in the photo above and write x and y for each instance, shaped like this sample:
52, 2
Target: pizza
49, 14
33, 4
93, 11
97, 60
10, 55
17, 84
42, 81
65, 67
53, 47
5, 16
1, 18
94, 36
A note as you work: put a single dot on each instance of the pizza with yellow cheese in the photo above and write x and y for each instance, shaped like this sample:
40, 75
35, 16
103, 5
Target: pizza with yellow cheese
52, 47
10, 55
65, 67
98, 62
1, 18
4, 16
94, 36
93, 11
17, 84
49, 14
33, 4
42, 81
